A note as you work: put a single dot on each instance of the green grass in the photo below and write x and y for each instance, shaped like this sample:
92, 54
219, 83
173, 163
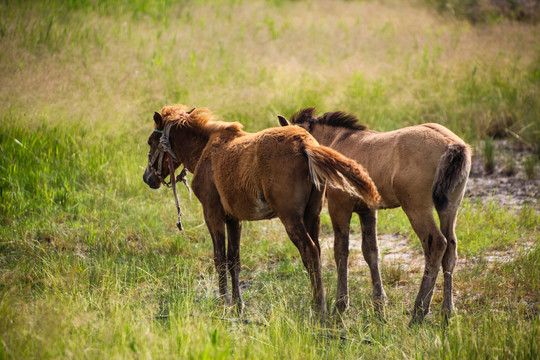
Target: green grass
91, 263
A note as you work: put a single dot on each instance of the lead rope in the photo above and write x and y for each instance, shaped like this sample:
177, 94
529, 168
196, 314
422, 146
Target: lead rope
167, 148
182, 177
173, 183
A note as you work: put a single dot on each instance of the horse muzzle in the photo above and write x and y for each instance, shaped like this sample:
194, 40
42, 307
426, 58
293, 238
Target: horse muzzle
151, 179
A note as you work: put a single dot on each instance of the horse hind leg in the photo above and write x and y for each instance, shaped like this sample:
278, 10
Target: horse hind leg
312, 215
448, 223
434, 245
370, 250
311, 257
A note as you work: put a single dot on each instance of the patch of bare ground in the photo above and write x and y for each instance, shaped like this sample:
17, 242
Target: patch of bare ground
508, 183
394, 250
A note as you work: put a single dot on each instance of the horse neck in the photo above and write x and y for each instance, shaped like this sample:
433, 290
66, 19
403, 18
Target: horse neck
188, 146
326, 135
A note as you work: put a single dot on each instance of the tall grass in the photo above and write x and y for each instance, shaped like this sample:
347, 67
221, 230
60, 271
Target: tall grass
91, 263
239, 60
489, 156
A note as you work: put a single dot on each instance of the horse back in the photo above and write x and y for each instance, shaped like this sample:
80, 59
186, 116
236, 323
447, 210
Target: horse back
254, 171
403, 162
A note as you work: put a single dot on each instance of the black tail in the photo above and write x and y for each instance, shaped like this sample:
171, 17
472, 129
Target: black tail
453, 169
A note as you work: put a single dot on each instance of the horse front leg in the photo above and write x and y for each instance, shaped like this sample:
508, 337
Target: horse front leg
234, 229
370, 250
216, 226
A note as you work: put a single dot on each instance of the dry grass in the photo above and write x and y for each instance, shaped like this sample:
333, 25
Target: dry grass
255, 57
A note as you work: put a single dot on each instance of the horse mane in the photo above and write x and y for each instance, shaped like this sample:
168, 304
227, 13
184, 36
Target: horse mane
200, 120
335, 118
303, 115
341, 119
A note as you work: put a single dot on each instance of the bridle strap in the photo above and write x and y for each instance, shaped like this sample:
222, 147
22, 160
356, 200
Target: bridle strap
165, 147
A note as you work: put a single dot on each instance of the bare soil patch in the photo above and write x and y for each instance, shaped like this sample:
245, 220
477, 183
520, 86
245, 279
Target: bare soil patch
505, 187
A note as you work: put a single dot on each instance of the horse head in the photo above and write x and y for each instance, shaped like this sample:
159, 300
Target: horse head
157, 168
303, 118
161, 157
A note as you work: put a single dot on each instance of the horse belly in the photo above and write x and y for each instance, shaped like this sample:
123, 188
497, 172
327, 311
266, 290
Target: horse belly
262, 210
246, 208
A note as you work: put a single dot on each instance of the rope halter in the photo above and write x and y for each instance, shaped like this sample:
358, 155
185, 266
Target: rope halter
165, 147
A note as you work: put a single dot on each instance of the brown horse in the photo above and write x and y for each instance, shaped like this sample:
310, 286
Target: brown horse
417, 168
237, 176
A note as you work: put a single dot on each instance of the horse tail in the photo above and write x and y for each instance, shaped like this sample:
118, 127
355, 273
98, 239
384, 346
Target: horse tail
453, 169
338, 171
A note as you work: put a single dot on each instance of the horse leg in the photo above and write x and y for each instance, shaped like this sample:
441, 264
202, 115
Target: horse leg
340, 211
434, 245
312, 215
234, 229
448, 224
448, 221
311, 257
370, 250
216, 227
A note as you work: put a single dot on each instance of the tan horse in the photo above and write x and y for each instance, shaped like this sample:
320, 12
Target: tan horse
417, 168
237, 176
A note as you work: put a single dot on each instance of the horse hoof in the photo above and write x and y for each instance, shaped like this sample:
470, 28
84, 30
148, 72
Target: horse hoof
342, 305
417, 318
415, 321
446, 315
379, 306
240, 307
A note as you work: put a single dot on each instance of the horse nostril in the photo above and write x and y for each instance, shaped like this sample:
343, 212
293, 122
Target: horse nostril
151, 180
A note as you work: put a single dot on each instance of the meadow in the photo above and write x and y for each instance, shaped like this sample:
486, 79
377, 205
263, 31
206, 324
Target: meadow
91, 263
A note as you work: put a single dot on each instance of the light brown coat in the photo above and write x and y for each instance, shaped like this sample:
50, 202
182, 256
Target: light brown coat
418, 168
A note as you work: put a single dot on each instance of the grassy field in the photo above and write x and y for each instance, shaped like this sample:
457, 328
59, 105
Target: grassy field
91, 263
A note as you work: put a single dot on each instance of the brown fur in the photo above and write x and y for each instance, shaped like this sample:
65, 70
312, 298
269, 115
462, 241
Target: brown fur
324, 162
418, 168
237, 176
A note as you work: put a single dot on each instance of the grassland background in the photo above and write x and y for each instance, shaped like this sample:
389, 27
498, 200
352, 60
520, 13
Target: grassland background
91, 264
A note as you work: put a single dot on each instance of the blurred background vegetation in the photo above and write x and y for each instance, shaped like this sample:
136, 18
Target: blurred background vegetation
90, 257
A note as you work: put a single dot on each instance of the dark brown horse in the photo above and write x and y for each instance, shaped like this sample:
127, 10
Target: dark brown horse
418, 168
237, 176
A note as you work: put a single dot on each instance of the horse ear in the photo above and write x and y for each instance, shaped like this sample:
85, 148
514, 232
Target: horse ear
158, 119
283, 121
